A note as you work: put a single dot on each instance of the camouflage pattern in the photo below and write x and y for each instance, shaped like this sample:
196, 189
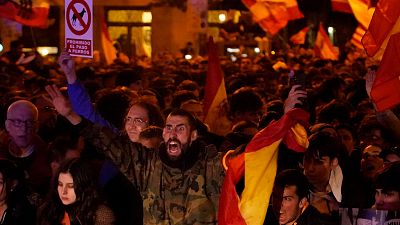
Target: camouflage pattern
170, 195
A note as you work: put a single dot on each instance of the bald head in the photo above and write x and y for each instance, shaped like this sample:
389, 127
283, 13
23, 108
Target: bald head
21, 122
22, 107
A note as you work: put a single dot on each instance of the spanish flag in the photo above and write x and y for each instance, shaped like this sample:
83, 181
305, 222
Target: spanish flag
362, 11
300, 37
357, 36
34, 14
258, 165
385, 89
341, 6
110, 53
323, 46
384, 23
214, 93
273, 15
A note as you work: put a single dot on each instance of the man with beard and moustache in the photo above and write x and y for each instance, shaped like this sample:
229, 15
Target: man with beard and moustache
180, 182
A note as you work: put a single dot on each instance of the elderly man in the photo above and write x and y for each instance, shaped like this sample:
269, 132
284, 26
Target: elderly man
24, 146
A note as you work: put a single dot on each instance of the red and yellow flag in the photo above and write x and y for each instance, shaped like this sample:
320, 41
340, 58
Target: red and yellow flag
300, 37
214, 91
362, 11
34, 15
385, 90
384, 23
258, 165
357, 36
323, 46
273, 15
109, 51
341, 6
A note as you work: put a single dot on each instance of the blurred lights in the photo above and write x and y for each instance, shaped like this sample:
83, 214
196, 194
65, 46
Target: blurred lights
233, 50
273, 53
222, 17
188, 57
1, 47
147, 17
45, 50
257, 50
330, 30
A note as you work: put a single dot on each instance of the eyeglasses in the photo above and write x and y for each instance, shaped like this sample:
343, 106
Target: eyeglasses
20, 123
136, 121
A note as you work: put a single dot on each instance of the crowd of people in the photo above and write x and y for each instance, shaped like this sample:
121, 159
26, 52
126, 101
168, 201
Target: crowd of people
86, 143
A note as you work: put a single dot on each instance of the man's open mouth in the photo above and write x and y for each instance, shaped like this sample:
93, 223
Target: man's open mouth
174, 146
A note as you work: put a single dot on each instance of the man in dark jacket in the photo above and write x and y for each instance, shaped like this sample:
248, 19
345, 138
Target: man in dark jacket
290, 200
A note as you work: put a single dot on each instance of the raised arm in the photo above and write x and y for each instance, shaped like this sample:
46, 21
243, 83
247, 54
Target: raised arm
78, 95
123, 152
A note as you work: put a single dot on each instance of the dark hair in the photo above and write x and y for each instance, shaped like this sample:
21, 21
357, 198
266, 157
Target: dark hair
292, 177
10, 173
113, 106
181, 112
84, 208
151, 132
388, 177
322, 144
182, 96
155, 116
60, 146
128, 76
244, 100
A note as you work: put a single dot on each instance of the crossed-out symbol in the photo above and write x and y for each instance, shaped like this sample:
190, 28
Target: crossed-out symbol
76, 15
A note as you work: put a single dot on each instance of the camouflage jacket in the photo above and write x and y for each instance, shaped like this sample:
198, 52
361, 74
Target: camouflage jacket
170, 195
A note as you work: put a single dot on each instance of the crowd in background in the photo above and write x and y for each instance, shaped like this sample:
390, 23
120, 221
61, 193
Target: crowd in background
44, 156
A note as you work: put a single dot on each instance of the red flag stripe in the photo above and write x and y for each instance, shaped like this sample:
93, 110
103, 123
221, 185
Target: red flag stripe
385, 17
385, 90
229, 212
214, 77
341, 6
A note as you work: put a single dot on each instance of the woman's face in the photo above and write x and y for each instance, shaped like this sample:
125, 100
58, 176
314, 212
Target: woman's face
65, 188
136, 120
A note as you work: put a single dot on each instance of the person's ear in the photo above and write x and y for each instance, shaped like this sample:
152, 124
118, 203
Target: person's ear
7, 125
193, 135
303, 202
334, 163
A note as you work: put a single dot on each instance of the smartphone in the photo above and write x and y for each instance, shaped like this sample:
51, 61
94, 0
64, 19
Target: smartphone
298, 79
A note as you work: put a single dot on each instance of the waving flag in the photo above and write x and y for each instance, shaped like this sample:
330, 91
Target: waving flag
273, 15
385, 22
34, 14
110, 53
214, 92
357, 36
258, 165
323, 46
341, 6
385, 90
300, 37
362, 11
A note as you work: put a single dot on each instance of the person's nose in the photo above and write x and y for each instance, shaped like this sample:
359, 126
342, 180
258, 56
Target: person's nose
65, 190
379, 199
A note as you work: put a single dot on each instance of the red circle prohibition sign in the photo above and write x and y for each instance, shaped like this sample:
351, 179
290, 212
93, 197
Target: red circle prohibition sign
71, 8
